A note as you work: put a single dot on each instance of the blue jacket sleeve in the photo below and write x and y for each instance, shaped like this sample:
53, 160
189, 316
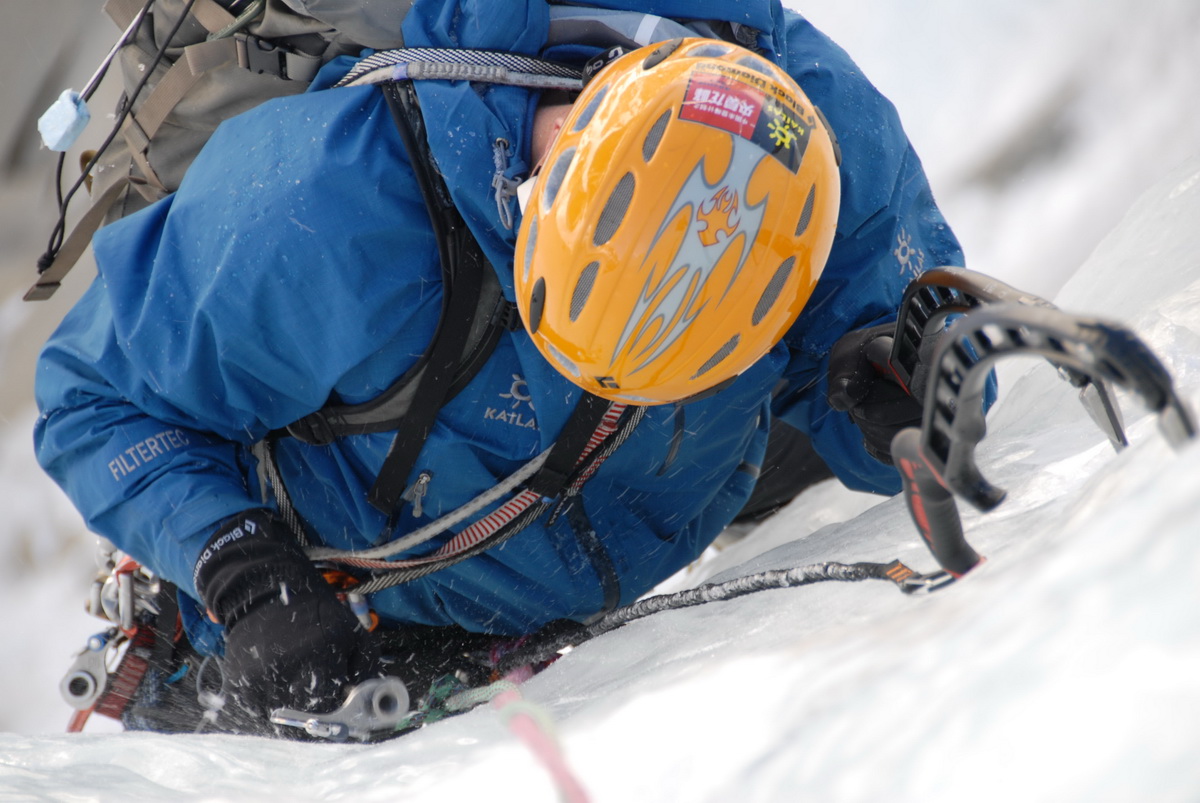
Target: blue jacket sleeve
152, 484
232, 308
889, 230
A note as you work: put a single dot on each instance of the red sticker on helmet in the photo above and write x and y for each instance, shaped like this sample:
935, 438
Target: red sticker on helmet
723, 98
722, 102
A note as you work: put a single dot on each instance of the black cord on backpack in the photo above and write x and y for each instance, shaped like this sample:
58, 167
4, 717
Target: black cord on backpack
58, 234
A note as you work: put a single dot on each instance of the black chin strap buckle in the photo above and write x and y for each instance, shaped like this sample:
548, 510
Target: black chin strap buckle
597, 63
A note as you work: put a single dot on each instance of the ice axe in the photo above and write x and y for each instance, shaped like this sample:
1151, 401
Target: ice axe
937, 461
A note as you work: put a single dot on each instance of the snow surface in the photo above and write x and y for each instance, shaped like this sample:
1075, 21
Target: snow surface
1065, 668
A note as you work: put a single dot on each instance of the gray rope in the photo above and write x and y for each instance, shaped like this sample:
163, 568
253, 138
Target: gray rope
461, 64
386, 578
269, 475
394, 577
435, 528
541, 648
740, 586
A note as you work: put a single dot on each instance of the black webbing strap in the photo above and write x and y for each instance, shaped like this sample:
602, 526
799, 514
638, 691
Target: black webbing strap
560, 466
493, 315
462, 270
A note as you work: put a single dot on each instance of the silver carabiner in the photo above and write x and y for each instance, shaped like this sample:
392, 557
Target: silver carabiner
371, 707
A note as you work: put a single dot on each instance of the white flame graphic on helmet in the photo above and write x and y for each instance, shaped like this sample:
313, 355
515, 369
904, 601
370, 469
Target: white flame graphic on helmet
670, 301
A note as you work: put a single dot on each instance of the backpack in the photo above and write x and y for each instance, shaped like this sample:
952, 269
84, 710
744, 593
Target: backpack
188, 65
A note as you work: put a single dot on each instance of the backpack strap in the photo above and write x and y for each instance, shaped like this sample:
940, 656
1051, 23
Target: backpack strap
474, 310
491, 317
140, 127
224, 44
464, 264
50, 277
474, 315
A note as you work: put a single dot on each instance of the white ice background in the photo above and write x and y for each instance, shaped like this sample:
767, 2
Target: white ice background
1065, 668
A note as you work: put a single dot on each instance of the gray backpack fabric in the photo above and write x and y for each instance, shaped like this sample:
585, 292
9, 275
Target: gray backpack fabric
213, 70
223, 58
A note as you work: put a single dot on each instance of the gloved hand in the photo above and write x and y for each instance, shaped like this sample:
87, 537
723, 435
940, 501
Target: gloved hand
858, 385
289, 641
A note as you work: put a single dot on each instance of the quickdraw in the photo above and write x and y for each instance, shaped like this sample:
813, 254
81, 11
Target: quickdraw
106, 675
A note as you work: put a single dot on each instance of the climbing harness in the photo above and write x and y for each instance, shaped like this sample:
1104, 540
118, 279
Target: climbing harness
143, 672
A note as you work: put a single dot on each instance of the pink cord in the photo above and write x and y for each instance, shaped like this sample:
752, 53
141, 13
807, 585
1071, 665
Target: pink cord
531, 726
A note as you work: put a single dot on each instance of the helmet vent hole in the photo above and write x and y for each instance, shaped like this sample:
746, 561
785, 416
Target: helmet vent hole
554, 181
716, 359
807, 212
774, 288
537, 305
756, 64
589, 111
563, 363
654, 137
614, 210
710, 51
530, 245
583, 289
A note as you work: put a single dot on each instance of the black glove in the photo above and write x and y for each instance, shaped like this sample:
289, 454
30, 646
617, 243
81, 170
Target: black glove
861, 386
289, 641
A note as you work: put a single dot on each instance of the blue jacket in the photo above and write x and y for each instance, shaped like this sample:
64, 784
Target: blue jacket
296, 264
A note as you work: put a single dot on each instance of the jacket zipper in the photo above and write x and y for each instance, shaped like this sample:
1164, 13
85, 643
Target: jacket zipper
415, 493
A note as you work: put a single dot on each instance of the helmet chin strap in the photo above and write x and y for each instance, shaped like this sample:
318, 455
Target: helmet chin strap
525, 188
597, 63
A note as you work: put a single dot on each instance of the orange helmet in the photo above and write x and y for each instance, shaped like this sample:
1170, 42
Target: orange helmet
681, 219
